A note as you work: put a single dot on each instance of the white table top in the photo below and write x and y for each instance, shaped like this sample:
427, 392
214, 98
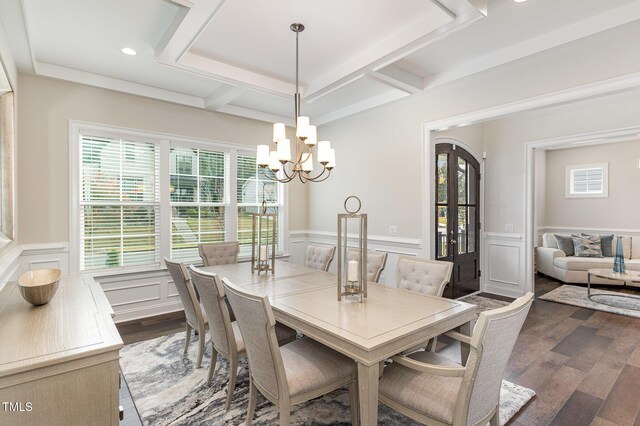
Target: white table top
628, 276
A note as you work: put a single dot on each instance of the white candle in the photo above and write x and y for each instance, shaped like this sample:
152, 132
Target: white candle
263, 252
352, 271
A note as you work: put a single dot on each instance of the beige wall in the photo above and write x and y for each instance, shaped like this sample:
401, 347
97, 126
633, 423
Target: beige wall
620, 210
379, 152
45, 107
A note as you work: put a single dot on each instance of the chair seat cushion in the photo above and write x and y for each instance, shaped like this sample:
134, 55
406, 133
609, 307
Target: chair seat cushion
430, 395
310, 365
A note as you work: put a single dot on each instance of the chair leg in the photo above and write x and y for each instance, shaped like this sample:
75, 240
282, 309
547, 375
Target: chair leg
495, 420
233, 375
212, 365
201, 338
252, 402
353, 399
187, 340
431, 345
285, 413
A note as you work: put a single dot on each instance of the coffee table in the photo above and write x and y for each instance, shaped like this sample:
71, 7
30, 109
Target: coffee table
627, 277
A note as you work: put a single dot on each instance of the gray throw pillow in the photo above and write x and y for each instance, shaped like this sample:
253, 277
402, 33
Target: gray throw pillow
587, 246
565, 243
606, 242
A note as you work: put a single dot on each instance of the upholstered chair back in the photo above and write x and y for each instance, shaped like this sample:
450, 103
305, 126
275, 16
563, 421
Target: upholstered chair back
257, 326
423, 275
212, 299
213, 254
319, 257
376, 261
494, 337
182, 282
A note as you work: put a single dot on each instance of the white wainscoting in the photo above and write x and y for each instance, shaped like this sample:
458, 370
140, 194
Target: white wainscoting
504, 264
140, 294
45, 256
394, 246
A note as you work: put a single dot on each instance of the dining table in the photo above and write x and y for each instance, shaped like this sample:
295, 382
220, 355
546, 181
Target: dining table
387, 322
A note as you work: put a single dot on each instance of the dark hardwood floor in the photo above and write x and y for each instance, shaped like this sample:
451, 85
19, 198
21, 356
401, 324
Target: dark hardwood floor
583, 364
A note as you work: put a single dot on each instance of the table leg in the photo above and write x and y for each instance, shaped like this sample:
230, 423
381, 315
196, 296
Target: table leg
588, 285
465, 349
368, 393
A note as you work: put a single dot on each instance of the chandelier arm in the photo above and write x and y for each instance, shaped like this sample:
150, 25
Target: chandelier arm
319, 175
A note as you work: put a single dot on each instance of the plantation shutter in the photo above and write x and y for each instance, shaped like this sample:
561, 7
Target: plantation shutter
120, 203
587, 181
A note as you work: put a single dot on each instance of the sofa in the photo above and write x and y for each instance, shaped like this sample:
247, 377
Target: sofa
552, 261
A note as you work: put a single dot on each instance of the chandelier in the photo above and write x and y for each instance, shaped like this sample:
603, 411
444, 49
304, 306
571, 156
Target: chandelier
297, 162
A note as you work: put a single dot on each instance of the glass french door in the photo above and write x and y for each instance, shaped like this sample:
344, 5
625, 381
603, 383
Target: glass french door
457, 223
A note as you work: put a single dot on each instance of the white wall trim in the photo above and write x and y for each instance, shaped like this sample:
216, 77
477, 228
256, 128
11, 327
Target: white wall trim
569, 229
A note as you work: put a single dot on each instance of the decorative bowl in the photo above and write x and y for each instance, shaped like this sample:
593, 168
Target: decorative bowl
38, 287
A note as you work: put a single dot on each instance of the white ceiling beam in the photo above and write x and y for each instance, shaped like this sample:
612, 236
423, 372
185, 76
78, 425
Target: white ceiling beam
96, 80
256, 115
549, 40
398, 78
463, 14
187, 25
373, 102
222, 96
183, 3
220, 71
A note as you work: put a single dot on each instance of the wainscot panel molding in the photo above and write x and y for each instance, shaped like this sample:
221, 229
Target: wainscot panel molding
44, 256
394, 246
504, 264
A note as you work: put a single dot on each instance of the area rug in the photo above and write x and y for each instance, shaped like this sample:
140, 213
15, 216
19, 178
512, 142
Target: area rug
168, 390
577, 296
483, 303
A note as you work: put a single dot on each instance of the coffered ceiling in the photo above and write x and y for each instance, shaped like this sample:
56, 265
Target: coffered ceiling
238, 56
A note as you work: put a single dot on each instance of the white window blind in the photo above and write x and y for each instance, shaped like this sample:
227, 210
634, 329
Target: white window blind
120, 203
252, 187
199, 200
588, 180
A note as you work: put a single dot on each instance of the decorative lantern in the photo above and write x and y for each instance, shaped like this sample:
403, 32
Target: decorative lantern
352, 271
263, 241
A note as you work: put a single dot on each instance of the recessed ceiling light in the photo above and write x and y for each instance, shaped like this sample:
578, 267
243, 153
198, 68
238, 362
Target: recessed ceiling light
128, 51
519, 1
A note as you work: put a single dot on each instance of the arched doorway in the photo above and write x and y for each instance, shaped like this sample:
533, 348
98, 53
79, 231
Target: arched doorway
457, 214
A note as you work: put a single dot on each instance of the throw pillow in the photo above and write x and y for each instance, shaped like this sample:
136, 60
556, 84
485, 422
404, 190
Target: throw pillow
565, 243
587, 246
606, 242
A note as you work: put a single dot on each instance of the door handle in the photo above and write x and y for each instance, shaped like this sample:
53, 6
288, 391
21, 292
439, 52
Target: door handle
452, 241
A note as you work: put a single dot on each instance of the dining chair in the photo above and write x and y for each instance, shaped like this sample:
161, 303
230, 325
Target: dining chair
319, 257
423, 275
192, 310
435, 390
213, 254
292, 374
376, 261
226, 338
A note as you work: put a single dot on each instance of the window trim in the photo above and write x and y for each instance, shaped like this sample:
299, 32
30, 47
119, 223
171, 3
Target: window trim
570, 169
165, 142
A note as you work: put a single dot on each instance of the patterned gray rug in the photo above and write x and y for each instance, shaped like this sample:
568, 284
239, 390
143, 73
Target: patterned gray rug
577, 296
483, 303
156, 373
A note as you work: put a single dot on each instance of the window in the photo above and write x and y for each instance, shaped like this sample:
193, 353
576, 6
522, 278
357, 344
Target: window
587, 180
141, 197
119, 203
198, 200
7, 134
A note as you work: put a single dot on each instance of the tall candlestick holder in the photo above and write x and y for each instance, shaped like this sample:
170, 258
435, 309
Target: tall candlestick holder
263, 241
352, 274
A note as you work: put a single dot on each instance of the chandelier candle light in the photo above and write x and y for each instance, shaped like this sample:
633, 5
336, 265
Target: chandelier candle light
299, 163
352, 280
